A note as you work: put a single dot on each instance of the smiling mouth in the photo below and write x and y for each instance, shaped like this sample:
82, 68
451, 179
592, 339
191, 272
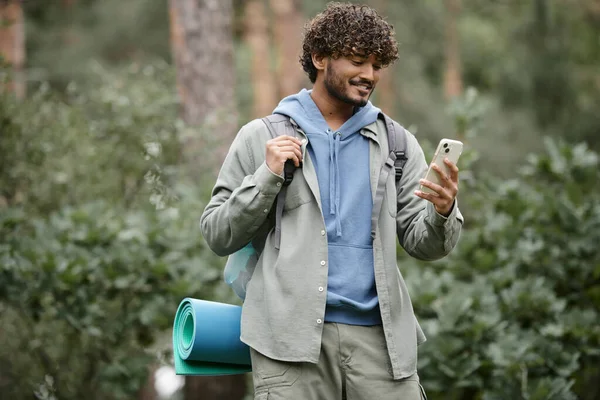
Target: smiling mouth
363, 88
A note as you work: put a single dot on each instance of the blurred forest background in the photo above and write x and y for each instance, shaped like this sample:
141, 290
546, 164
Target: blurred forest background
115, 115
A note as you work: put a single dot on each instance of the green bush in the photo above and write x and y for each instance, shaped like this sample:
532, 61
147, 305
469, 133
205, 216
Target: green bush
513, 312
88, 290
94, 258
98, 140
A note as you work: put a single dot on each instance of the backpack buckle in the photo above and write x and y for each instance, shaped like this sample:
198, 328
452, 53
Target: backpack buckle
399, 171
400, 155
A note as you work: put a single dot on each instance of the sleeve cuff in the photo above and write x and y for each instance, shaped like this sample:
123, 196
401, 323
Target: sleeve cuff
438, 219
267, 182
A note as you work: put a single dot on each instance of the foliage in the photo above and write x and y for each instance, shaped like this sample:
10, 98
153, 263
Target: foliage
513, 312
87, 290
63, 37
537, 55
96, 140
90, 271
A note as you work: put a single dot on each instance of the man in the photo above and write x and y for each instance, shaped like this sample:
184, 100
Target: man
328, 315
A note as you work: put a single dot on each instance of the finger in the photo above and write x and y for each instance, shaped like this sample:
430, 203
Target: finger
298, 153
284, 138
288, 145
442, 174
439, 190
292, 149
294, 157
439, 203
431, 197
449, 184
283, 156
453, 170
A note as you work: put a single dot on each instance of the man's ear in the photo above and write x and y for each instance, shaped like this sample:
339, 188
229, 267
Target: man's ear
319, 61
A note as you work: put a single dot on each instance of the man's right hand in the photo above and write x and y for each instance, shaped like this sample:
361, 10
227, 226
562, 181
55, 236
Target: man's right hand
281, 149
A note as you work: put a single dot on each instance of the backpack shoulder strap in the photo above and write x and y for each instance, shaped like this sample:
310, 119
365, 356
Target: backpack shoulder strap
397, 143
278, 125
396, 137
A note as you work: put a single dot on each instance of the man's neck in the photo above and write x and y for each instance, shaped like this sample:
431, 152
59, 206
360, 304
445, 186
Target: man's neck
335, 111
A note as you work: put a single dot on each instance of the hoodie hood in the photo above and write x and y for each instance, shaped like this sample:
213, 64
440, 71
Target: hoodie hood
324, 144
302, 109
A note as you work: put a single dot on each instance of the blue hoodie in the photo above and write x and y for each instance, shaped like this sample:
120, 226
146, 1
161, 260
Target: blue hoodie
341, 160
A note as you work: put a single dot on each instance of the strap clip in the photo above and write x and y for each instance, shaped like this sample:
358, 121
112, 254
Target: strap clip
288, 172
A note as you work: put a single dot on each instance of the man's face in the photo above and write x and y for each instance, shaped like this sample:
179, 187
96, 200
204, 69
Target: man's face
352, 79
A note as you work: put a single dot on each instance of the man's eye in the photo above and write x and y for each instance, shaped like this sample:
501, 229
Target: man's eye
356, 62
377, 67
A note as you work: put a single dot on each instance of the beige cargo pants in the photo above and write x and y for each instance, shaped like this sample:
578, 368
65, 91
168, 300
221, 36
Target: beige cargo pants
354, 365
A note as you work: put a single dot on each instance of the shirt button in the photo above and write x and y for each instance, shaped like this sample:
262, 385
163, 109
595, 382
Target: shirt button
321, 288
266, 210
319, 321
323, 262
323, 233
278, 183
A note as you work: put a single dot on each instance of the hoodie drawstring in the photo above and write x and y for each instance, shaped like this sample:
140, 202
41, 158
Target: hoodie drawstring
334, 179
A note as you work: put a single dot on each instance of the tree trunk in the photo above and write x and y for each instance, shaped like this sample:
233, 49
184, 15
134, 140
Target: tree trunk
263, 80
148, 391
453, 85
12, 46
202, 47
288, 22
230, 387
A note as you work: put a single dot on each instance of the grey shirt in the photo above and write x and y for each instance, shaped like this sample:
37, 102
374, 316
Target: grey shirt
282, 316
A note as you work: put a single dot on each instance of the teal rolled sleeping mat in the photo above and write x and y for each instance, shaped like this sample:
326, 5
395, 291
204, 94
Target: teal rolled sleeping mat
206, 339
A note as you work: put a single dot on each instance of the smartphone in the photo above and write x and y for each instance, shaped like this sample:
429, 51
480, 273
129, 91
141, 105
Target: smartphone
447, 148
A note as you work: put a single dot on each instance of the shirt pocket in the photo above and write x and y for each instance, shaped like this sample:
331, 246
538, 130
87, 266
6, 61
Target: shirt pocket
298, 192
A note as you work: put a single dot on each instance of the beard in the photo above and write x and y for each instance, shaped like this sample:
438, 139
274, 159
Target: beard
336, 87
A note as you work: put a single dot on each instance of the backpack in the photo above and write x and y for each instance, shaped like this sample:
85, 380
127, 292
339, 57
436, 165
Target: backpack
240, 265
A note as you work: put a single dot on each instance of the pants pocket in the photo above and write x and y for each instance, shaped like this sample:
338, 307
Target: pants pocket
268, 373
261, 396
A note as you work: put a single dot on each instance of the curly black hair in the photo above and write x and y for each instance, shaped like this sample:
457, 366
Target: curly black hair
345, 29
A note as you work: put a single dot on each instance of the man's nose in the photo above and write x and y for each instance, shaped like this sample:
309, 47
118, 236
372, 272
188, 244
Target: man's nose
368, 72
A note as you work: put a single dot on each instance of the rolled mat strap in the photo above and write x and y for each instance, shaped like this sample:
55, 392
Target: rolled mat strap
206, 339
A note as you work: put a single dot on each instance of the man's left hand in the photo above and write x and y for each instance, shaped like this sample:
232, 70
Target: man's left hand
445, 194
